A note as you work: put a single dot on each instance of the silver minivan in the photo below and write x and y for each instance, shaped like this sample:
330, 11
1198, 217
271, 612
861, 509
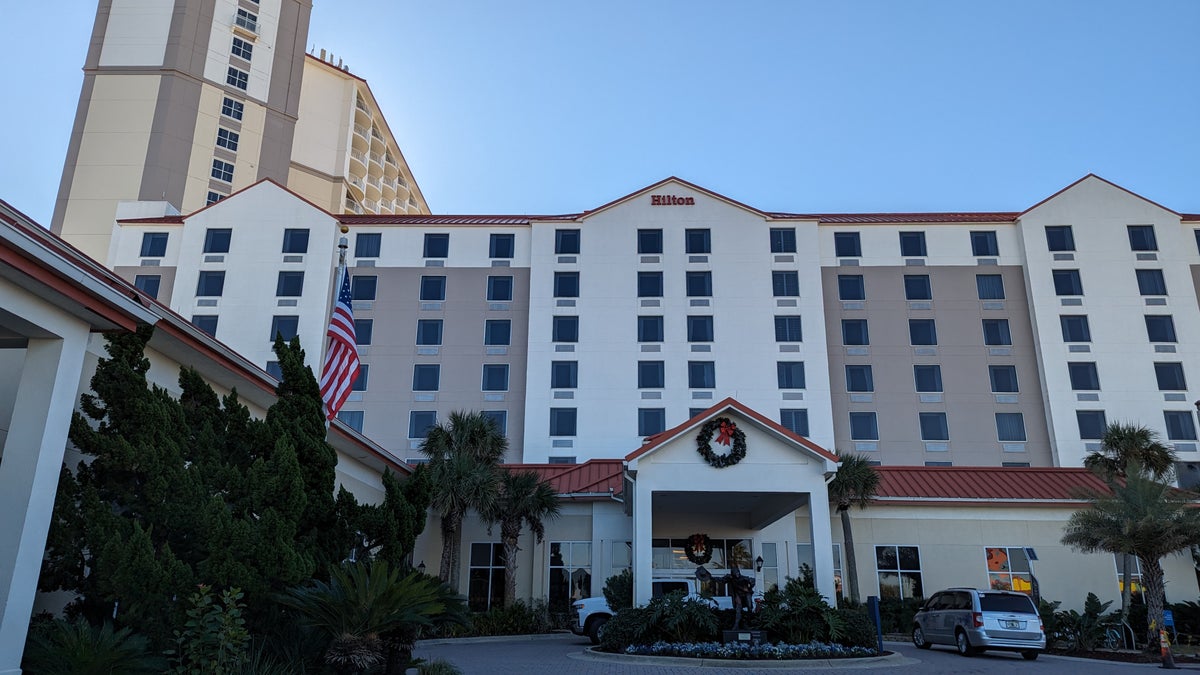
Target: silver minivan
973, 620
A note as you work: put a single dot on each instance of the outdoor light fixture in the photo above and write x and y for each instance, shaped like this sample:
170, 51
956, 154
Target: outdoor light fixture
758, 564
421, 567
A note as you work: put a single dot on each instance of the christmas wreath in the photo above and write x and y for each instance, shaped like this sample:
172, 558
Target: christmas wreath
727, 433
698, 549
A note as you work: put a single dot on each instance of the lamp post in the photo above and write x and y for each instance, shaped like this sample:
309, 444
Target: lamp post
421, 567
758, 562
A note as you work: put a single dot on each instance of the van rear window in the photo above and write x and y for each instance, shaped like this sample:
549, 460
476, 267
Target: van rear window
999, 602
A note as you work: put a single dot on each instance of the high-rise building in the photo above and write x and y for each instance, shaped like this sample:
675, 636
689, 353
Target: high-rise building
185, 102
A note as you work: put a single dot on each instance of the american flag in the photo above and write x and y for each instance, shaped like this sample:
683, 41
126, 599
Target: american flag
341, 355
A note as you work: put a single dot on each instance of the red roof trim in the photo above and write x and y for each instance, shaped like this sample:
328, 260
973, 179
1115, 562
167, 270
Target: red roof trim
1109, 182
972, 483
598, 477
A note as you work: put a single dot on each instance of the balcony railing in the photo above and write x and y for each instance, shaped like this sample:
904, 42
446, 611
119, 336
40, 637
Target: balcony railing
362, 131
358, 154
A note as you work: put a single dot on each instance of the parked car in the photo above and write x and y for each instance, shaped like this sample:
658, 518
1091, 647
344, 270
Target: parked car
975, 620
589, 615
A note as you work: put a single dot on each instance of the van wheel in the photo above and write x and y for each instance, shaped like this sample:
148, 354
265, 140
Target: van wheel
963, 644
1029, 656
596, 628
918, 638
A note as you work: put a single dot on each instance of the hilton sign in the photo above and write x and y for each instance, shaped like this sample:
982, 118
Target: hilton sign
671, 200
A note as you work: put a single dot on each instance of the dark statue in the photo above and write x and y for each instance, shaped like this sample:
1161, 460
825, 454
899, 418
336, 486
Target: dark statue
740, 588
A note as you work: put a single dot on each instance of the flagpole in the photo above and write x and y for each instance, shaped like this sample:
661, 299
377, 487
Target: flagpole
343, 245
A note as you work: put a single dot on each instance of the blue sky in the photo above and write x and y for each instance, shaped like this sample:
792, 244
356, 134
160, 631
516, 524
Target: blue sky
552, 107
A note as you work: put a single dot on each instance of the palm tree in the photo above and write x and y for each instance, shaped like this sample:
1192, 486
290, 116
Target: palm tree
1144, 517
464, 454
524, 499
854, 485
1120, 445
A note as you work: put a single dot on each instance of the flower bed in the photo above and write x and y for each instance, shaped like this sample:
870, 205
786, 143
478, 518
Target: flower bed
739, 651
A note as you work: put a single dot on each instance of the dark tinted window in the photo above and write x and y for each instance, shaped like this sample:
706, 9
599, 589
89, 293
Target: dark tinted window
1151, 282
702, 375
1141, 238
295, 241
1067, 282
366, 244
1060, 238
650, 241
437, 245
916, 287
566, 329
984, 243
851, 287
501, 245
846, 245
1003, 602
566, 242
912, 244
433, 288
650, 329
566, 284
217, 240
783, 240
990, 286
154, 244
650, 284
698, 241
363, 287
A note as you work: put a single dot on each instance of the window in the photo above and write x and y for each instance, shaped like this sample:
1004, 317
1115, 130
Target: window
790, 374
990, 286
352, 419
247, 20
785, 284
564, 374
284, 328
899, 572
1151, 282
1160, 328
148, 284
922, 332
995, 332
1091, 424
242, 49
227, 139
1180, 425
783, 240
928, 378
501, 245
700, 329
933, 426
211, 284
429, 332
787, 329
363, 287
984, 243
206, 323
912, 244
274, 370
497, 332
1084, 376
1010, 427
794, 420
863, 426
363, 329
651, 421
154, 244
859, 378
295, 241
499, 418
485, 577
1067, 282
437, 245
566, 242
650, 329
650, 241
420, 421
699, 284
217, 240
1008, 569
426, 376
367, 244
846, 245
570, 573
565, 329
1060, 238
697, 241
1075, 328
495, 377
1170, 376
1141, 238
360, 382
562, 421
916, 287
237, 78
566, 284
433, 288
1003, 378
222, 171
854, 332
214, 197
702, 375
232, 109
289, 284
650, 284
851, 287
500, 288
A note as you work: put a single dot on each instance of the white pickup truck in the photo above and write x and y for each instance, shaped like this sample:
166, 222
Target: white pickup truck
590, 614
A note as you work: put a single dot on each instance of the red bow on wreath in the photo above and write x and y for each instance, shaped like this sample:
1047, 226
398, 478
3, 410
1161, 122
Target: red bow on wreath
725, 432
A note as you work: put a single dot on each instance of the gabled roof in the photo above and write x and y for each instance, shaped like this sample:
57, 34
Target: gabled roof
595, 479
1108, 182
666, 181
985, 484
657, 440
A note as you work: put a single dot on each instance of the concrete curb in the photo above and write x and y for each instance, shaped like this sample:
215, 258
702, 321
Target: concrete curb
890, 660
496, 638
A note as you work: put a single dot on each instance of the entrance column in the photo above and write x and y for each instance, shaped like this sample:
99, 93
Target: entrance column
822, 541
643, 544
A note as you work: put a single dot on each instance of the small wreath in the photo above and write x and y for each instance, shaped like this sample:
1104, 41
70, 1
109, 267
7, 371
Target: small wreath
698, 549
727, 432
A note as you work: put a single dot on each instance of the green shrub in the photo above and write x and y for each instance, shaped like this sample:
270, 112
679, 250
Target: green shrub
797, 614
627, 627
858, 630
1084, 632
78, 648
896, 616
670, 618
1048, 611
214, 639
438, 667
618, 591
523, 618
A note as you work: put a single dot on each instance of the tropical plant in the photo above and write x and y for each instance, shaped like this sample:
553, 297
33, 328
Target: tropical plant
798, 614
371, 613
618, 591
1141, 516
854, 484
519, 617
1083, 632
671, 618
76, 647
464, 454
214, 639
524, 498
